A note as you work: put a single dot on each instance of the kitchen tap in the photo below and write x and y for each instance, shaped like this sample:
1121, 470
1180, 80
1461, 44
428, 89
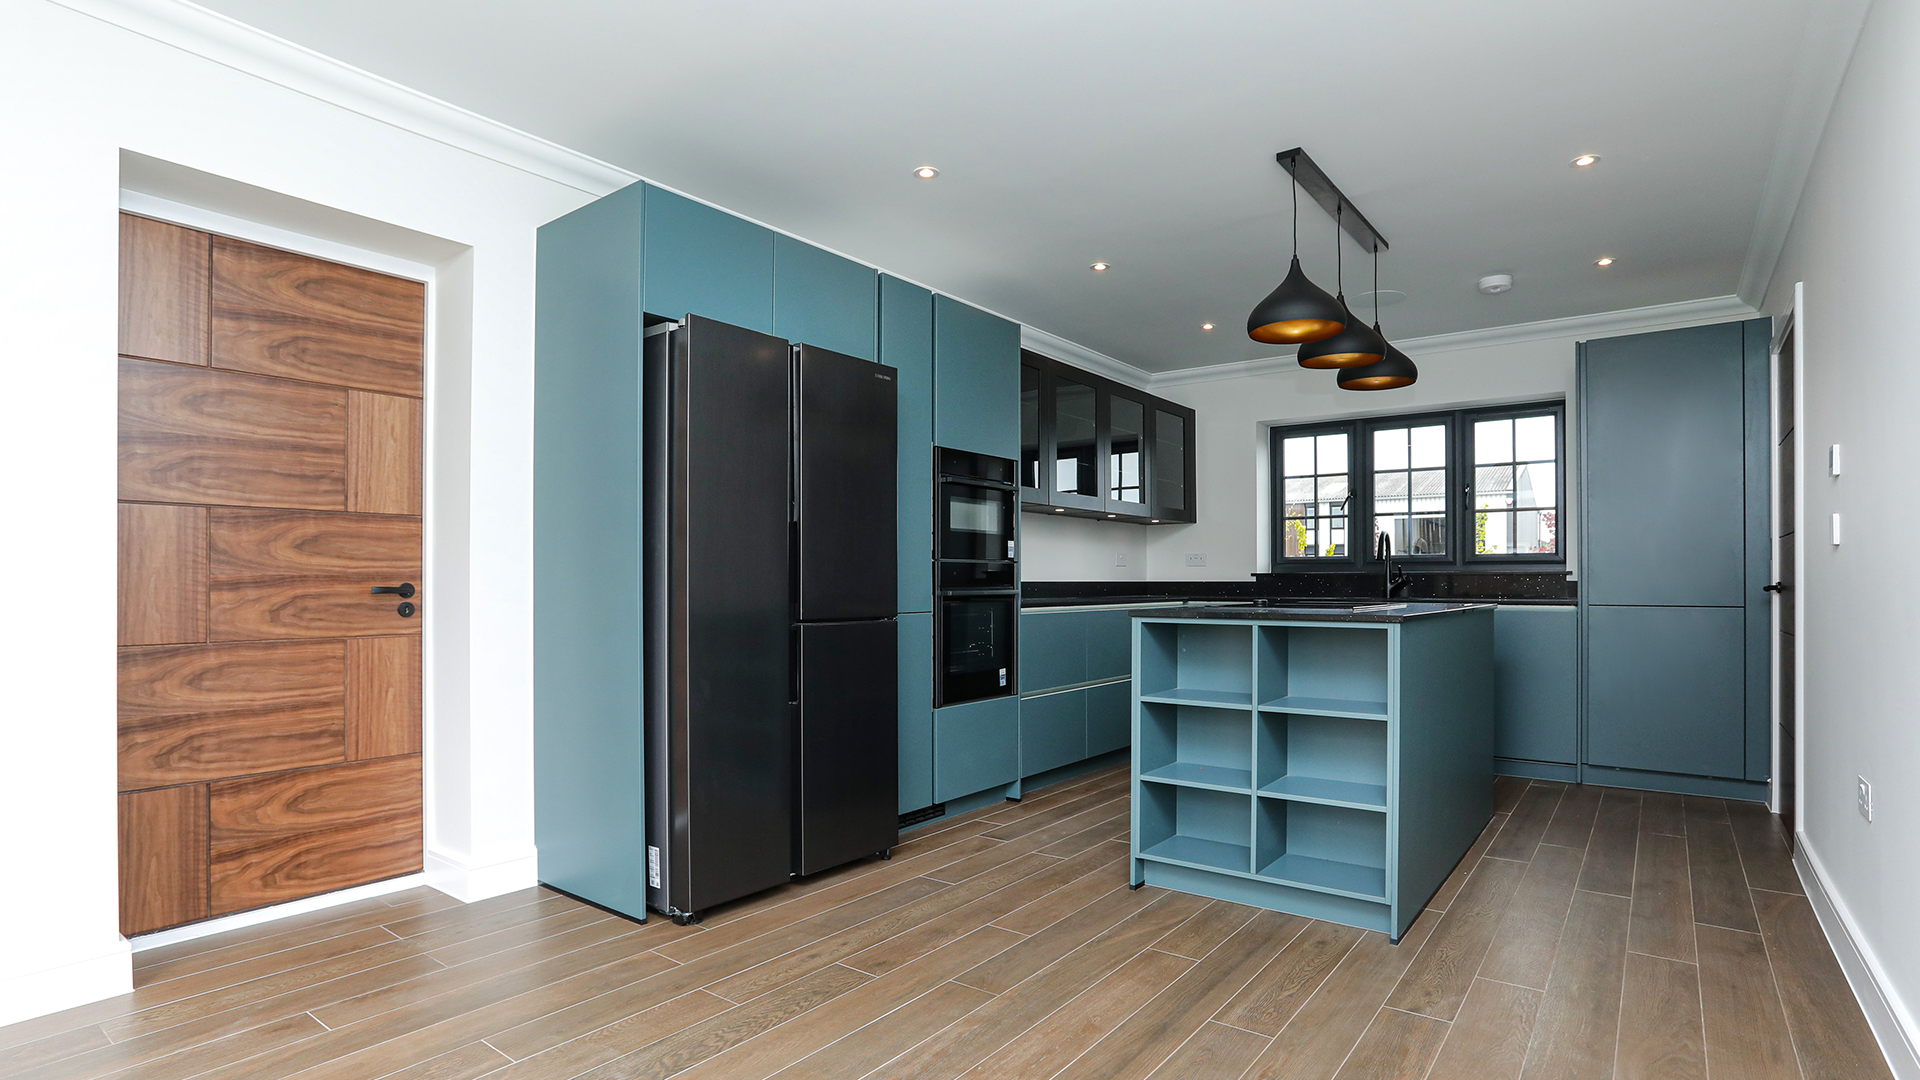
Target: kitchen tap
1383, 550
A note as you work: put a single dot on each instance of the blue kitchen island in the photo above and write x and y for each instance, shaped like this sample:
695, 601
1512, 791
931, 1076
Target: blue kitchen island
1330, 761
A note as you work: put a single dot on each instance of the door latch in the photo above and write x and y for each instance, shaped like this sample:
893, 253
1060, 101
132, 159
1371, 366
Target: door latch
404, 590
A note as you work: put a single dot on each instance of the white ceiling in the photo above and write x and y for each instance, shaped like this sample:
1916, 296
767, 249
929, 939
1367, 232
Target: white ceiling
1143, 134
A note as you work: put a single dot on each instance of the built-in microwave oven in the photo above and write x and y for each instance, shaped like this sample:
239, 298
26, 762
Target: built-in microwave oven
976, 549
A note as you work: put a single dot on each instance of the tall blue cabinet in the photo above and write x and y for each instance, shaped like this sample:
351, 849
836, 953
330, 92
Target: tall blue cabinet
1674, 556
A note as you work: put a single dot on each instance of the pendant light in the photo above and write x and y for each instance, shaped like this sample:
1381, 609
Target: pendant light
1395, 369
1298, 311
1355, 345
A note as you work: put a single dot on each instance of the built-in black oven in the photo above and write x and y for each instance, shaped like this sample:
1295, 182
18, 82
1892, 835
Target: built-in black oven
975, 560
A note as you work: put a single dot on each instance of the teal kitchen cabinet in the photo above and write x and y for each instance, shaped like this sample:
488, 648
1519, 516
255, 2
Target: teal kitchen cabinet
703, 261
1109, 717
916, 710
1673, 555
976, 370
1053, 731
588, 759
1053, 649
1536, 690
975, 746
1109, 645
906, 343
824, 300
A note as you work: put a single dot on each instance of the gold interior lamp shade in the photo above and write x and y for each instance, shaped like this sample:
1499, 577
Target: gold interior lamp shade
1296, 313
1392, 372
1357, 345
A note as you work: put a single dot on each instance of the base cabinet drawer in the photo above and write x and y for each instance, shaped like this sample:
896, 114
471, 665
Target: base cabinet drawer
1053, 731
975, 746
1109, 717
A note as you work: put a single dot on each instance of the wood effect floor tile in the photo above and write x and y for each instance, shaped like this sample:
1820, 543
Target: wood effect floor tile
1662, 898
1615, 841
562, 933
1315, 1043
1527, 823
1720, 896
66, 1020
1440, 976
1215, 1052
1000, 1021
1019, 847
486, 926
1050, 1045
217, 950
1051, 908
1457, 880
1662, 813
1528, 937
1763, 849
1506, 792
1746, 1031
1266, 1003
442, 918
469, 1061
1108, 800
1660, 1032
299, 988
1199, 935
879, 1042
1704, 808
1016, 965
57, 1047
1488, 1040
1572, 821
273, 965
592, 1047
1397, 1046
1830, 1034
1579, 1019
1149, 1036
220, 1054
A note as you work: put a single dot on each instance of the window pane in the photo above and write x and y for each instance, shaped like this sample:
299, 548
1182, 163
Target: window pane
1533, 485
1128, 420
1429, 535
1333, 536
1298, 454
1535, 532
1429, 447
1333, 489
1491, 533
1029, 427
1299, 491
1493, 487
1331, 451
1390, 449
1169, 460
1293, 536
1075, 449
1492, 441
1533, 438
1429, 489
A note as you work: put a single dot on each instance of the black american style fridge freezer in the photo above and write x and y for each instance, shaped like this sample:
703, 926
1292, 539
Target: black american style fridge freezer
769, 556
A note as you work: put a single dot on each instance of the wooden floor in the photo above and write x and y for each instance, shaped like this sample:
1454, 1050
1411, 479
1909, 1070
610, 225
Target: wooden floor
1590, 933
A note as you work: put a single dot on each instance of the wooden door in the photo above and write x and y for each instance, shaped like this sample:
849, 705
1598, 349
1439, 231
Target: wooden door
270, 478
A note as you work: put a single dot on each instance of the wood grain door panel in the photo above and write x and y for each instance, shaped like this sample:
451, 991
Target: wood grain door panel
163, 291
162, 574
383, 697
190, 435
384, 440
277, 313
209, 712
163, 858
290, 574
289, 835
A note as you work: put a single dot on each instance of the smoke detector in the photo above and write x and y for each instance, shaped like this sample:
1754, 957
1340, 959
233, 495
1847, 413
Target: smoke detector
1495, 284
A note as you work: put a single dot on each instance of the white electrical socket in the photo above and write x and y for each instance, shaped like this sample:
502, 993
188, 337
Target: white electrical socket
1864, 798
1196, 558
1120, 559
1833, 460
1836, 530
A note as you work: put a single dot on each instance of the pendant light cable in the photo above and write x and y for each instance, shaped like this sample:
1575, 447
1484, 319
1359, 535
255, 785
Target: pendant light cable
1376, 284
1339, 253
1296, 216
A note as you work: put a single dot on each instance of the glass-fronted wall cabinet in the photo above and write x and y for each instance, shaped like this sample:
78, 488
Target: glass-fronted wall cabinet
1092, 447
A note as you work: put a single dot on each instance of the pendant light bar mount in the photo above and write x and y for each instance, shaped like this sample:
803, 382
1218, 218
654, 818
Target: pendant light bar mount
1331, 199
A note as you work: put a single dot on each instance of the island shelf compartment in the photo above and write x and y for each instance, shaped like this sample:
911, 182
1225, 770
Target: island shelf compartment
1325, 848
1332, 760
1195, 827
1196, 664
1328, 670
1196, 745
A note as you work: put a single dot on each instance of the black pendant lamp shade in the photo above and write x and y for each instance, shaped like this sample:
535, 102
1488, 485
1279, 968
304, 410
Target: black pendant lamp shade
1393, 371
1358, 345
1298, 311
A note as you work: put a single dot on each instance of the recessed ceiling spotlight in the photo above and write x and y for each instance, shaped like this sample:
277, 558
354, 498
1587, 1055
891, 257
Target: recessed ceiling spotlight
1098, 267
1206, 326
1495, 284
1585, 160
926, 172
1605, 260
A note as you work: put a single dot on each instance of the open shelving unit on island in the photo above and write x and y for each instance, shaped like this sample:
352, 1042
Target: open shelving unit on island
1332, 765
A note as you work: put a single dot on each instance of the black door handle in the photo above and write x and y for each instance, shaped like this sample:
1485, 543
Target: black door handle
1776, 587
403, 590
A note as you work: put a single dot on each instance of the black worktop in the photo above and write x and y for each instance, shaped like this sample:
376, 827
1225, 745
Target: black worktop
1374, 611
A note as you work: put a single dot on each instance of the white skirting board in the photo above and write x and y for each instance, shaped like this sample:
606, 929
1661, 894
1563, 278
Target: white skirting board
1890, 1017
255, 917
50, 990
467, 883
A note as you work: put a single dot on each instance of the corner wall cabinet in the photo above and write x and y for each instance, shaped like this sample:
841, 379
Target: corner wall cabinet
1337, 770
1092, 447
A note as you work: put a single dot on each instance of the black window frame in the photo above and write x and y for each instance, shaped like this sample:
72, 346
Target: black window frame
1459, 487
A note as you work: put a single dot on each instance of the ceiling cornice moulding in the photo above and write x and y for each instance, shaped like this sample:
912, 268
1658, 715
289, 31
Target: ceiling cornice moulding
229, 42
1604, 324
1059, 348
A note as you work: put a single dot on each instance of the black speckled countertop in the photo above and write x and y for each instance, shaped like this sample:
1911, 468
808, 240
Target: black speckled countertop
1377, 611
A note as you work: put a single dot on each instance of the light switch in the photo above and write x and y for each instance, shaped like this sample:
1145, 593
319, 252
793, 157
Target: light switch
1836, 530
1833, 460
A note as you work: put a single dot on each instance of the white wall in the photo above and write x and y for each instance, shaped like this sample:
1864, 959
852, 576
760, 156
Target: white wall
79, 91
1853, 243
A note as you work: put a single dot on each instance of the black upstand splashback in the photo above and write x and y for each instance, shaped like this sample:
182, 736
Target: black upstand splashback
1507, 588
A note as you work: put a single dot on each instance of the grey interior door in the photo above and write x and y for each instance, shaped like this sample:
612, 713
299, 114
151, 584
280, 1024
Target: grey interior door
1786, 485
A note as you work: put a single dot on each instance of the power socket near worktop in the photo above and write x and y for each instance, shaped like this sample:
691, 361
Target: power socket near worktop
1196, 558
